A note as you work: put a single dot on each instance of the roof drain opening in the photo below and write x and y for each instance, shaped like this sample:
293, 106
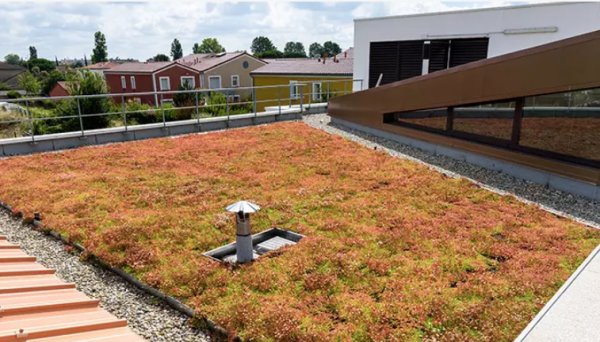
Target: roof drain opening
249, 247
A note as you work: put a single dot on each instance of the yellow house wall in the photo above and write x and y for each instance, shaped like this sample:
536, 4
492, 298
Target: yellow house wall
339, 84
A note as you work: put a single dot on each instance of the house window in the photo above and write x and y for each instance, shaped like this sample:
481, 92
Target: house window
294, 90
132, 82
123, 82
214, 82
165, 83
190, 80
235, 80
316, 91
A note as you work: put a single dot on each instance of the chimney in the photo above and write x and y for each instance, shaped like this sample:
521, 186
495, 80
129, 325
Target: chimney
345, 54
243, 242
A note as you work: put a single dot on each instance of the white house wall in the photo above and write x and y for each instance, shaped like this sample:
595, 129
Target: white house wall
571, 19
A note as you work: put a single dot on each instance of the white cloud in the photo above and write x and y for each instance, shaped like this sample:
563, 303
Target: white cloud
141, 30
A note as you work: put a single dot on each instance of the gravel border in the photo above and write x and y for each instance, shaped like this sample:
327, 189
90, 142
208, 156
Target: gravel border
561, 203
146, 315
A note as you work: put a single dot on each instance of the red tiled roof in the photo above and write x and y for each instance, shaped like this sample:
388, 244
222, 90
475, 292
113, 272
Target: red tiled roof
307, 66
102, 66
37, 306
148, 67
349, 53
206, 61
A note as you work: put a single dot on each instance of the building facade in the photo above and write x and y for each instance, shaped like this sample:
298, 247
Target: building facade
307, 80
401, 47
149, 77
224, 70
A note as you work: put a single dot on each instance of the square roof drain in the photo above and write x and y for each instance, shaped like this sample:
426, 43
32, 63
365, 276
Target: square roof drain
263, 242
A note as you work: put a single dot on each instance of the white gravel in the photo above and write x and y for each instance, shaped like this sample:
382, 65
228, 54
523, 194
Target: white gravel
561, 203
148, 316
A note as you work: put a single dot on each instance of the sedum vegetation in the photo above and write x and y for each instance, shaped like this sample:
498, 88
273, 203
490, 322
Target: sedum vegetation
393, 251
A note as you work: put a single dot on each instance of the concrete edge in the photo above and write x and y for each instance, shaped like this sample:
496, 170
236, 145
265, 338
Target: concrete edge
63, 141
557, 295
172, 302
573, 186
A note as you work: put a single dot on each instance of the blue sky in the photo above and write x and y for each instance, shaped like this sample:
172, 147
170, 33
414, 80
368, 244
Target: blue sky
141, 30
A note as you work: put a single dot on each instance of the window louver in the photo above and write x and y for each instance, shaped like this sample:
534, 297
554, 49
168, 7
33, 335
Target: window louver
463, 51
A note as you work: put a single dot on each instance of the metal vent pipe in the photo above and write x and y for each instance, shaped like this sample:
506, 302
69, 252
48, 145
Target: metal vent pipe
244, 250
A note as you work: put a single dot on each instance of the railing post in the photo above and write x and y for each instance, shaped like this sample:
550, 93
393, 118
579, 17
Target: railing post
227, 106
310, 93
278, 100
80, 118
30, 122
327, 91
301, 98
197, 109
361, 84
254, 100
162, 106
124, 110
345, 87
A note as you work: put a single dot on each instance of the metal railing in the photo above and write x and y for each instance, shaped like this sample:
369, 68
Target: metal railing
201, 99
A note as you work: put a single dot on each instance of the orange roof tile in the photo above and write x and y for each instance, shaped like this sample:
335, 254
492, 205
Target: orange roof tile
37, 306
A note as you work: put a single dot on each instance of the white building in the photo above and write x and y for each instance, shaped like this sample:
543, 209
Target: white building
401, 47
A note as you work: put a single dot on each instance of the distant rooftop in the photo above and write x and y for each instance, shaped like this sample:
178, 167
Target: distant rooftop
307, 66
147, 67
205, 61
102, 66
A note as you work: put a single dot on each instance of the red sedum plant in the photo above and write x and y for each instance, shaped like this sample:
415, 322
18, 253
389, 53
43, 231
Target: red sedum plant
394, 251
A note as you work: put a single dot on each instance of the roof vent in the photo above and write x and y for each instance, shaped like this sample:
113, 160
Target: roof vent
248, 247
221, 54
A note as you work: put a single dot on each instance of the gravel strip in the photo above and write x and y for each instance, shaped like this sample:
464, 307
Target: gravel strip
561, 203
147, 316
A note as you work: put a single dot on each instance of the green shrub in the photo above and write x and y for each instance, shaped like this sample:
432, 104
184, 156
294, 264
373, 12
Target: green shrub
140, 117
4, 86
13, 94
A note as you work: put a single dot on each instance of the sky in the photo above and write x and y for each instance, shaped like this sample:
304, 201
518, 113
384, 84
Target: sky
141, 30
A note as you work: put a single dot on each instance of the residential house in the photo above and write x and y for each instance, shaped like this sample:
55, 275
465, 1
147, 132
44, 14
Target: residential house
224, 70
9, 74
319, 79
100, 68
60, 89
149, 77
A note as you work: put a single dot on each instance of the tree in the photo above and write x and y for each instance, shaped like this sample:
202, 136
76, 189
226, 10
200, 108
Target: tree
12, 59
49, 81
261, 44
100, 52
315, 50
85, 59
331, 48
176, 50
160, 58
195, 48
41, 63
294, 49
29, 83
77, 64
32, 52
270, 54
209, 45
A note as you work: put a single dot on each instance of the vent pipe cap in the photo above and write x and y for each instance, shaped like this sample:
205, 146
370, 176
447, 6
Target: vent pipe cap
243, 206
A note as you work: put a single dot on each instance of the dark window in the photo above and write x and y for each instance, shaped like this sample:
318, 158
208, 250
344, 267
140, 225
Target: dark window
564, 123
410, 59
463, 51
401, 60
438, 58
384, 60
433, 119
493, 120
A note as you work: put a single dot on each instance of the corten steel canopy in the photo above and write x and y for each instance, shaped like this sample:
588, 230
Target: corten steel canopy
566, 65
